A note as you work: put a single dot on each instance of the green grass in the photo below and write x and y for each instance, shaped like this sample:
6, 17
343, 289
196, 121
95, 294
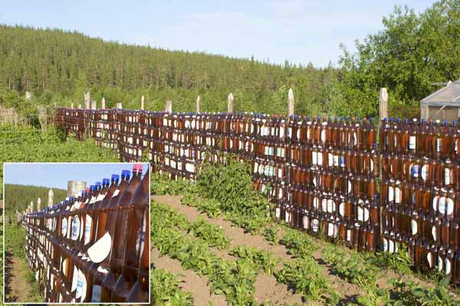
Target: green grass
28, 144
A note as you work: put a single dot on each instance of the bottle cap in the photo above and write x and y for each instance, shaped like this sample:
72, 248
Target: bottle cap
98, 184
454, 122
83, 193
92, 187
423, 120
105, 181
115, 177
125, 173
372, 119
70, 199
406, 120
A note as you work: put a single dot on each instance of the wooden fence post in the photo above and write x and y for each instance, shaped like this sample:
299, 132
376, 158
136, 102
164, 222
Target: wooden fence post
103, 103
290, 102
79, 106
168, 106
198, 104
142, 103
383, 113
230, 104
93, 105
383, 103
118, 105
71, 105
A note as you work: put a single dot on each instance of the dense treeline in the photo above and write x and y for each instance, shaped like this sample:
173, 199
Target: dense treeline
413, 51
18, 197
50, 62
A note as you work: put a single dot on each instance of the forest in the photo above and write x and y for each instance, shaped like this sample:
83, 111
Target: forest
411, 53
18, 197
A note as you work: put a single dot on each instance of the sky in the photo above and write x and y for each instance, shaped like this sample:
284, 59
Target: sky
56, 175
300, 31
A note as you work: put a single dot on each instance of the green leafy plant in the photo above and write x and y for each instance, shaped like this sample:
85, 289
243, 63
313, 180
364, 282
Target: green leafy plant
304, 276
165, 290
209, 233
264, 260
271, 234
298, 244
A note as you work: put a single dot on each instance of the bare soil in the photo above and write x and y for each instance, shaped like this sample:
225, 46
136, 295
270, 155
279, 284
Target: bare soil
16, 287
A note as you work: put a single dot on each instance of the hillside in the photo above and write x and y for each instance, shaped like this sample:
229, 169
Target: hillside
18, 197
55, 65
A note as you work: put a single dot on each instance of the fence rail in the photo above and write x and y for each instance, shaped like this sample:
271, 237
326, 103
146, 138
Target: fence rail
322, 174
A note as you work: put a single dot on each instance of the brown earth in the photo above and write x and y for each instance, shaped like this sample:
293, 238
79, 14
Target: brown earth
16, 287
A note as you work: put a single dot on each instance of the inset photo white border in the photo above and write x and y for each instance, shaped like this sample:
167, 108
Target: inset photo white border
79, 176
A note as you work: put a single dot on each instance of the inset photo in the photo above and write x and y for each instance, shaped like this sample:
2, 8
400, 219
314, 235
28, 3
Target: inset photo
76, 233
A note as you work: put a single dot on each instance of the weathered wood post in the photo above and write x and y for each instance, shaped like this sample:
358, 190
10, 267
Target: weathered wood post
118, 105
230, 104
383, 103
198, 104
290, 103
87, 100
383, 113
93, 105
168, 106
71, 105
79, 106
290, 114
103, 103
142, 103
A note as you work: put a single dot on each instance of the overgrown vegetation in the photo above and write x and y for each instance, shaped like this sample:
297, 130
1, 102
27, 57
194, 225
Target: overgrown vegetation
27, 144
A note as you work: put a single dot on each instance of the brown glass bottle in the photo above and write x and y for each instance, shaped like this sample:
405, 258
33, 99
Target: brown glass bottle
137, 239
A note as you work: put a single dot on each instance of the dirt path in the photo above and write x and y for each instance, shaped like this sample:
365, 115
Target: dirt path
16, 286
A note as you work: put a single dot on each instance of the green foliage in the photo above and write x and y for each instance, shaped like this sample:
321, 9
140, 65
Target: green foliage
58, 67
304, 276
411, 52
15, 240
160, 184
209, 206
405, 292
399, 261
298, 244
19, 196
263, 260
271, 234
27, 144
209, 233
165, 290
231, 185
353, 268
234, 279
